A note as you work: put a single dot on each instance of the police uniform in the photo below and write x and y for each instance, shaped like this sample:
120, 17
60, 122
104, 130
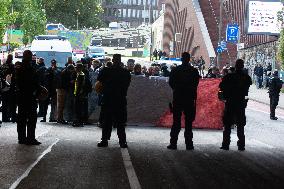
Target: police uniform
8, 97
27, 83
275, 86
115, 81
184, 81
235, 88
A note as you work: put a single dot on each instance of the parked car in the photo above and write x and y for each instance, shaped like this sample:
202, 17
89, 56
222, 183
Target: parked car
95, 52
78, 54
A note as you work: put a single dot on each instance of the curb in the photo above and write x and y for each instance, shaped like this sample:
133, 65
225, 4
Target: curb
280, 107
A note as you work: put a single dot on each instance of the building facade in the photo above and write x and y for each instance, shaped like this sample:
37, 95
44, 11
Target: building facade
198, 23
133, 12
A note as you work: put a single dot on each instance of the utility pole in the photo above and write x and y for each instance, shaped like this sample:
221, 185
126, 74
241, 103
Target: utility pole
78, 13
220, 31
150, 14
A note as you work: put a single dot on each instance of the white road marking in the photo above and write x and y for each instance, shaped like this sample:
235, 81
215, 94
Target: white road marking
254, 141
44, 133
207, 155
132, 177
27, 172
268, 113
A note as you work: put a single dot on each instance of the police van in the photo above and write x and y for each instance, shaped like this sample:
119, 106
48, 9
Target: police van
52, 47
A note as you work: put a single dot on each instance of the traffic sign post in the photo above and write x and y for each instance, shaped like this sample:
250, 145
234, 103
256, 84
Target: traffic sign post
232, 33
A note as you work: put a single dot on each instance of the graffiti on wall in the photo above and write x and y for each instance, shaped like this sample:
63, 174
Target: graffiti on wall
263, 54
78, 39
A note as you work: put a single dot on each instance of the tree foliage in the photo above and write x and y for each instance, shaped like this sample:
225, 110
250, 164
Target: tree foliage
68, 12
280, 52
33, 20
6, 17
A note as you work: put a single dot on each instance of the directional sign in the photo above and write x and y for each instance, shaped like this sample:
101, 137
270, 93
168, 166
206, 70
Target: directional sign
223, 45
232, 34
219, 49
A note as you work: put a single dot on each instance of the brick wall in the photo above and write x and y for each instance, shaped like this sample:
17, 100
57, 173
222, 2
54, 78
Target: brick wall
181, 12
234, 11
180, 17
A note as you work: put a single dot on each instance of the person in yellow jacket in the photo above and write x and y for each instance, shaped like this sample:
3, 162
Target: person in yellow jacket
80, 95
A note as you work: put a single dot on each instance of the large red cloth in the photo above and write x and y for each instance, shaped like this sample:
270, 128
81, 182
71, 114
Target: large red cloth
209, 109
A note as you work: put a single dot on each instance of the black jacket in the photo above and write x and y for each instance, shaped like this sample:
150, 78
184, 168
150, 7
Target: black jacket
275, 86
115, 81
184, 81
235, 86
27, 83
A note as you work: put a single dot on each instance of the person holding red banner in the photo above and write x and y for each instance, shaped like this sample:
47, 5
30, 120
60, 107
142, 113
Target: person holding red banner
184, 81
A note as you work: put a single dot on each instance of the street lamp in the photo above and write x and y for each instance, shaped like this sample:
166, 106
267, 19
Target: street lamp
78, 13
220, 32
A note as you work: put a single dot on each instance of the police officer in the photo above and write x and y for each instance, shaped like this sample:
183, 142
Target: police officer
275, 86
8, 97
115, 81
52, 76
184, 81
235, 88
28, 87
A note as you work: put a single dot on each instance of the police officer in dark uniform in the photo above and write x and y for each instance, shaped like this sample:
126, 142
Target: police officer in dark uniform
8, 97
28, 88
275, 86
115, 81
184, 81
235, 87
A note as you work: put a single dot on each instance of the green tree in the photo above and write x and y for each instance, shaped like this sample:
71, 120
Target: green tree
33, 20
280, 53
70, 12
7, 18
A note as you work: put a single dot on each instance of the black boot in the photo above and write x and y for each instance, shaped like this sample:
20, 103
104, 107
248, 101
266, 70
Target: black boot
123, 145
102, 144
172, 146
43, 119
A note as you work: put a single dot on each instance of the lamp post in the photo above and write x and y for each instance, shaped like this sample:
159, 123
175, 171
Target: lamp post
220, 32
78, 13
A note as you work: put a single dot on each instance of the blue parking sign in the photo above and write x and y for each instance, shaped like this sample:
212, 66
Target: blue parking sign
232, 34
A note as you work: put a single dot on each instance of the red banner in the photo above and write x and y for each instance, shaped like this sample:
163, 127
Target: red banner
209, 109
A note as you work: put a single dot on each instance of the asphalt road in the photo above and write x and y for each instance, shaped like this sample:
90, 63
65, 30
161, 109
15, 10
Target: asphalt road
69, 158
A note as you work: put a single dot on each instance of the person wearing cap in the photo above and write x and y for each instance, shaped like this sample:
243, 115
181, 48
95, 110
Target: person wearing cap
68, 81
184, 81
80, 95
115, 81
275, 86
52, 77
235, 87
41, 71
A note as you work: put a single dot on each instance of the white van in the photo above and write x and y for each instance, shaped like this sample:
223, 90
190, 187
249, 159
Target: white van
54, 48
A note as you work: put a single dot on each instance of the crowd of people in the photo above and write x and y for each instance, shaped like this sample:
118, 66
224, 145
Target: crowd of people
72, 92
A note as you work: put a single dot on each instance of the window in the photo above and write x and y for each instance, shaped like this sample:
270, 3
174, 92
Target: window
124, 13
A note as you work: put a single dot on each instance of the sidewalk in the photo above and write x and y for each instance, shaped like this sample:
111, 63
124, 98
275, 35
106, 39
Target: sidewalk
261, 95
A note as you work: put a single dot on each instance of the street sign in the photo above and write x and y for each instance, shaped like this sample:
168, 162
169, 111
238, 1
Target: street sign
240, 46
219, 49
223, 45
232, 33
